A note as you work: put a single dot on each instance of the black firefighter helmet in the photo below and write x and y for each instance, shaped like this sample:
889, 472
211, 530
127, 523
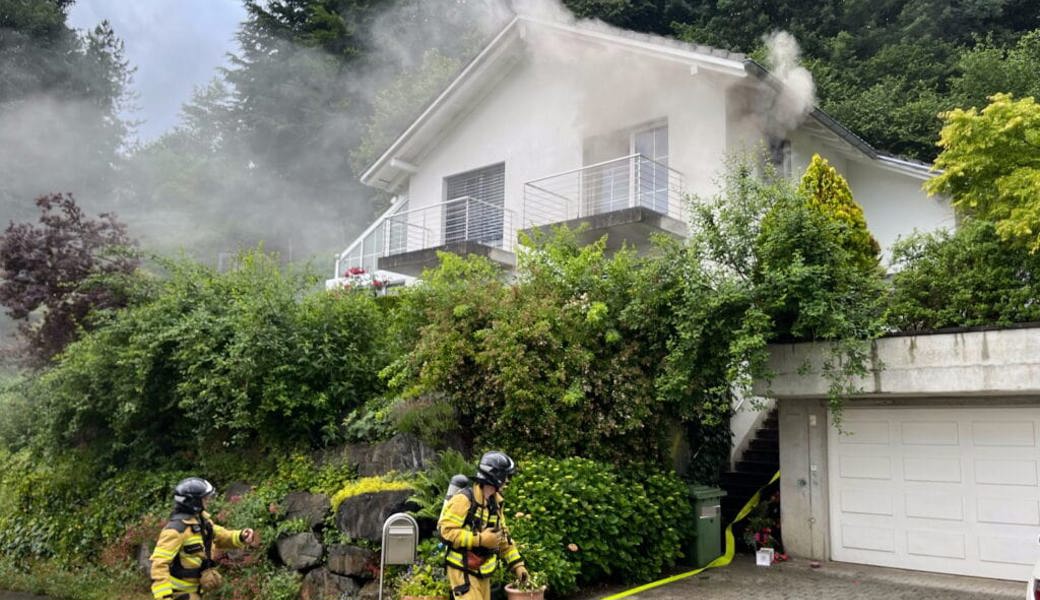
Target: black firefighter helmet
495, 469
188, 495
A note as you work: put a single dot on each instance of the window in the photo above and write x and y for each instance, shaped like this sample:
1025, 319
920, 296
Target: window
652, 147
614, 182
780, 156
474, 207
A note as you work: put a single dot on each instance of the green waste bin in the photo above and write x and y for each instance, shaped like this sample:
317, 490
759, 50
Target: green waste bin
707, 510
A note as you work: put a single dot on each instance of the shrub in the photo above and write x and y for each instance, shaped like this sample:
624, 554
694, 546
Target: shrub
367, 485
431, 485
966, 278
552, 364
827, 191
580, 521
242, 358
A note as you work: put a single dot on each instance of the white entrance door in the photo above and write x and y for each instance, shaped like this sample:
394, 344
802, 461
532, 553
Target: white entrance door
952, 490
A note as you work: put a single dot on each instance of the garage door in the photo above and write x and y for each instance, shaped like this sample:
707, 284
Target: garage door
952, 490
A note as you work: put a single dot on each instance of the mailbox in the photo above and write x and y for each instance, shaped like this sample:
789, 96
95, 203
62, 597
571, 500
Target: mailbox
400, 535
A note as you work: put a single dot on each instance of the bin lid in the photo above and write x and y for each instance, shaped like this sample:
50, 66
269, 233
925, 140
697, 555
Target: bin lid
701, 492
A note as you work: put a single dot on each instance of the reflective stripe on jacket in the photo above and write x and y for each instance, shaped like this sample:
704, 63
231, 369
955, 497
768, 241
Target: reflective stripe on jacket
179, 554
462, 536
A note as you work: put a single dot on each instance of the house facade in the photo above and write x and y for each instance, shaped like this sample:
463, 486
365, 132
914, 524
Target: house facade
576, 123
559, 123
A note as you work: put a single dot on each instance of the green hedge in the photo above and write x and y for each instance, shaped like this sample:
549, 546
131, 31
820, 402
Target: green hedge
582, 521
966, 278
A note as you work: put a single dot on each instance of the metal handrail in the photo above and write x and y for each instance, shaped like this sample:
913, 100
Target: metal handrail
625, 182
602, 163
453, 200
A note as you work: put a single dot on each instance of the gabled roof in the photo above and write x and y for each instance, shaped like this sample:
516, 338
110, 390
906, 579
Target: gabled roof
488, 67
492, 64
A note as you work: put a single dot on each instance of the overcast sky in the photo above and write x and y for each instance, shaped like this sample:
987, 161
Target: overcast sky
175, 45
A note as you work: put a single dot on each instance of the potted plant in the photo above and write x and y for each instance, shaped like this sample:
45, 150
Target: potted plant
423, 582
532, 589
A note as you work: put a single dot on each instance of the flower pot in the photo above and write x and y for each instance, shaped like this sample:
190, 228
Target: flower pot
514, 594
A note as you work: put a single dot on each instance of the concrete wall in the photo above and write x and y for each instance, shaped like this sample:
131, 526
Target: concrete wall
804, 509
984, 363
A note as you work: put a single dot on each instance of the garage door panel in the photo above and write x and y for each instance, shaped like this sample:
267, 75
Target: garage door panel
865, 537
1003, 434
932, 470
953, 490
865, 432
924, 433
1008, 550
864, 502
938, 544
1006, 472
866, 467
936, 507
1008, 511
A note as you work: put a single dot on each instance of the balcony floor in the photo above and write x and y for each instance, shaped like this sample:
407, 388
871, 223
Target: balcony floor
632, 226
414, 262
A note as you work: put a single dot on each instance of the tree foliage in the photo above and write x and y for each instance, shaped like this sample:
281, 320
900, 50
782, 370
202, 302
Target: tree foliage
884, 69
56, 274
611, 355
966, 278
242, 358
990, 164
63, 97
829, 193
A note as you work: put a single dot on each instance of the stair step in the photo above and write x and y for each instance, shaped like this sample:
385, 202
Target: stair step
756, 466
770, 456
760, 444
736, 478
767, 434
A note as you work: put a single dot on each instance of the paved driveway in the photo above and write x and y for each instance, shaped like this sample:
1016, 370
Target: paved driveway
797, 580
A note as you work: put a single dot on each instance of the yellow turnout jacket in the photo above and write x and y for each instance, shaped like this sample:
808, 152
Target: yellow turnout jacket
177, 561
461, 533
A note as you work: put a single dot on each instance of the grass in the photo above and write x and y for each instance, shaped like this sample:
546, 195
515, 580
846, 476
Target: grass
61, 583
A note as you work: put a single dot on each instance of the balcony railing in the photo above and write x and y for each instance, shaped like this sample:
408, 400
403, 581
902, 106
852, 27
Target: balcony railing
463, 219
627, 182
365, 251
398, 231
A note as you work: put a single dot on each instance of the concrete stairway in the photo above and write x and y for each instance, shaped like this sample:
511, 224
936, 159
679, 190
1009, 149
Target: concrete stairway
756, 467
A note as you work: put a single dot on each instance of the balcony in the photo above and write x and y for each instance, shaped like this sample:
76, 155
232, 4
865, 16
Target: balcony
407, 242
628, 199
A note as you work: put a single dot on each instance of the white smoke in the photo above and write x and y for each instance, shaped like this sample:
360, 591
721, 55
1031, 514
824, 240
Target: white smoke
798, 94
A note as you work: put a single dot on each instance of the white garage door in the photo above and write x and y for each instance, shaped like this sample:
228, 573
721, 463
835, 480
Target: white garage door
953, 490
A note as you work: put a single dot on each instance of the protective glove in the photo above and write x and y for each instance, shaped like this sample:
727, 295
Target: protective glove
250, 537
521, 574
210, 579
490, 538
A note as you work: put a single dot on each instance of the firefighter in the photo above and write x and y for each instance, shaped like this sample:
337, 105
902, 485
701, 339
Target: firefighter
182, 563
473, 527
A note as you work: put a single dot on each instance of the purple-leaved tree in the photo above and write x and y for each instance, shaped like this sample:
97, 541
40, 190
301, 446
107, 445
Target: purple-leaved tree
55, 274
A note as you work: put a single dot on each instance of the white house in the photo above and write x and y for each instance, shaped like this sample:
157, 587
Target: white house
938, 467
555, 122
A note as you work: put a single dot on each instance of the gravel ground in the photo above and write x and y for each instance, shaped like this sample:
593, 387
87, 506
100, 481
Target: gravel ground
797, 580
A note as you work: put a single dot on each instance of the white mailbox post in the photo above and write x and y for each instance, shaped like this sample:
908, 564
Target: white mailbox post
400, 536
